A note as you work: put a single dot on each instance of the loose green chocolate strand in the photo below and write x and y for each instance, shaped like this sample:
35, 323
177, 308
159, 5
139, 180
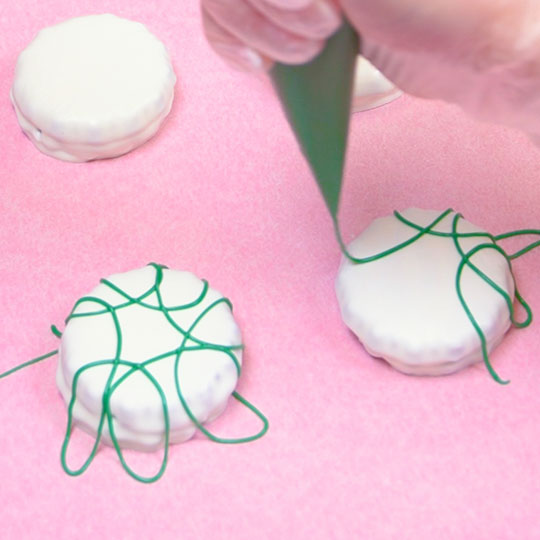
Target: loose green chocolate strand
455, 236
26, 364
188, 342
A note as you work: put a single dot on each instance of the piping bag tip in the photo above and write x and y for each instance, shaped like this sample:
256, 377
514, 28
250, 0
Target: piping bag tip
316, 98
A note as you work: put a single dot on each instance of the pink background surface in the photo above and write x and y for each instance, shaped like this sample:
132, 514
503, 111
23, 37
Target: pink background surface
355, 449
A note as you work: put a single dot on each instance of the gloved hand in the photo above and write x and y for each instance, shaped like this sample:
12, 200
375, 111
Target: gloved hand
481, 54
251, 34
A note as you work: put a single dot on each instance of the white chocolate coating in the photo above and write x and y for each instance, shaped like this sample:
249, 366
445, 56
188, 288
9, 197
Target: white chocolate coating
207, 377
371, 88
405, 308
92, 87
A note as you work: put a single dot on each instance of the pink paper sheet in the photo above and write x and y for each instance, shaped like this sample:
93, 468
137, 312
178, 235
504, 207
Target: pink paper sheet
355, 449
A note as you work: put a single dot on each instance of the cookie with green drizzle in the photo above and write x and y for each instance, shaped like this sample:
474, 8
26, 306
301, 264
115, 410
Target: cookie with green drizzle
428, 291
148, 358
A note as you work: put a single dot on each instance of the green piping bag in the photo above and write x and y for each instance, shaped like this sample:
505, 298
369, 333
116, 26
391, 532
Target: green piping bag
317, 98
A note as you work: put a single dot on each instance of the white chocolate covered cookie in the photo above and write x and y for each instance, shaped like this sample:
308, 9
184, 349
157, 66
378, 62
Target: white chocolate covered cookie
145, 348
92, 87
405, 306
371, 88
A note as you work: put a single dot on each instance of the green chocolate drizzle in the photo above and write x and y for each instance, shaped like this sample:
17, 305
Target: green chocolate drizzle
190, 343
491, 243
27, 364
187, 342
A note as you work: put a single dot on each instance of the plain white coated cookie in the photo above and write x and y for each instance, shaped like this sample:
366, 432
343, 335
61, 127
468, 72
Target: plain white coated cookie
371, 88
92, 87
404, 307
207, 376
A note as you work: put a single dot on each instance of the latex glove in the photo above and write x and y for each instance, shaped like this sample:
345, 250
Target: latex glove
251, 34
482, 54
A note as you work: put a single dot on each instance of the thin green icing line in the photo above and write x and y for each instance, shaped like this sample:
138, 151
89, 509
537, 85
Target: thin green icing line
188, 343
27, 364
464, 262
